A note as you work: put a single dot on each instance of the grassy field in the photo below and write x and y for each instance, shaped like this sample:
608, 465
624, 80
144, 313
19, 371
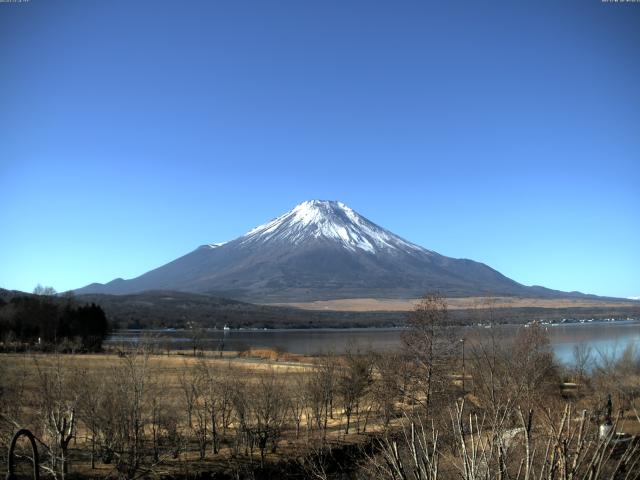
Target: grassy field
467, 303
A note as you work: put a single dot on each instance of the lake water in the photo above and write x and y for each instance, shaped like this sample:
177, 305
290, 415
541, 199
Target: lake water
604, 338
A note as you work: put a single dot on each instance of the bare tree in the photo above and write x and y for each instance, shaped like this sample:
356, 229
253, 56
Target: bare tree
490, 368
218, 388
225, 390
429, 342
213, 403
582, 359
241, 409
89, 410
510, 372
269, 406
44, 291
297, 401
188, 379
161, 419
197, 337
320, 391
535, 376
122, 419
194, 384
58, 403
389, 384
354, 378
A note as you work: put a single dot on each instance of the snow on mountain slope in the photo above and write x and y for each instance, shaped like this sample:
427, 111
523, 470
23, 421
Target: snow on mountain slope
330, 220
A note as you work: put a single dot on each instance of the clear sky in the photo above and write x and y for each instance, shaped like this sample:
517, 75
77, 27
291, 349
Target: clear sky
503, 131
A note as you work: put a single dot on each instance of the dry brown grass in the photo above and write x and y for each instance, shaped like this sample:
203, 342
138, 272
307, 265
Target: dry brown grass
272, 354
404, 305
167, 370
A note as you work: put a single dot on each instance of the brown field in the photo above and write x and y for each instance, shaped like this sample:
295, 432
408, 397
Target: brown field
298, 403
164, 377
404, 305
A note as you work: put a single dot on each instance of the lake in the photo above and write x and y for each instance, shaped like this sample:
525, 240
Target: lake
607, 338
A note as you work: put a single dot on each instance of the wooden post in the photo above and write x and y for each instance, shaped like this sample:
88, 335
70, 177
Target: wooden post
463, 372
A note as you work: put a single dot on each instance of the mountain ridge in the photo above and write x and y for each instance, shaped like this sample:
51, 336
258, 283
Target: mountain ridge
321, 250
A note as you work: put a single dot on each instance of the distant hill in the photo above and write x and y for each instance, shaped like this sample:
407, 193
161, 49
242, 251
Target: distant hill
322, 250
162, 309
166, 309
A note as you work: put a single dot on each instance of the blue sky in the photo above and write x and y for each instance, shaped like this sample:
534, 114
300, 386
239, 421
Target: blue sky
506, 132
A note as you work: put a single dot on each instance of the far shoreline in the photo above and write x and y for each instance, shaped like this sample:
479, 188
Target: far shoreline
568, 323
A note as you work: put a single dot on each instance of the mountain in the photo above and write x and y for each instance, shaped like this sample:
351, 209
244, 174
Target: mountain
317, 251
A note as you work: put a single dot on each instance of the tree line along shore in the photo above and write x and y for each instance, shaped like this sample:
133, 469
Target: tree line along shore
161, 309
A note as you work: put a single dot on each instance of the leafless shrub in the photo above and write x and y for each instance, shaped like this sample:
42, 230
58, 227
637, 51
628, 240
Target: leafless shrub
566, 450
513, 372
618, 374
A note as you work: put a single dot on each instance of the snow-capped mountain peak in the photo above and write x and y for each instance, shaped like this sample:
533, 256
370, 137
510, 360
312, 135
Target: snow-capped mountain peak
328, 220
321, 250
